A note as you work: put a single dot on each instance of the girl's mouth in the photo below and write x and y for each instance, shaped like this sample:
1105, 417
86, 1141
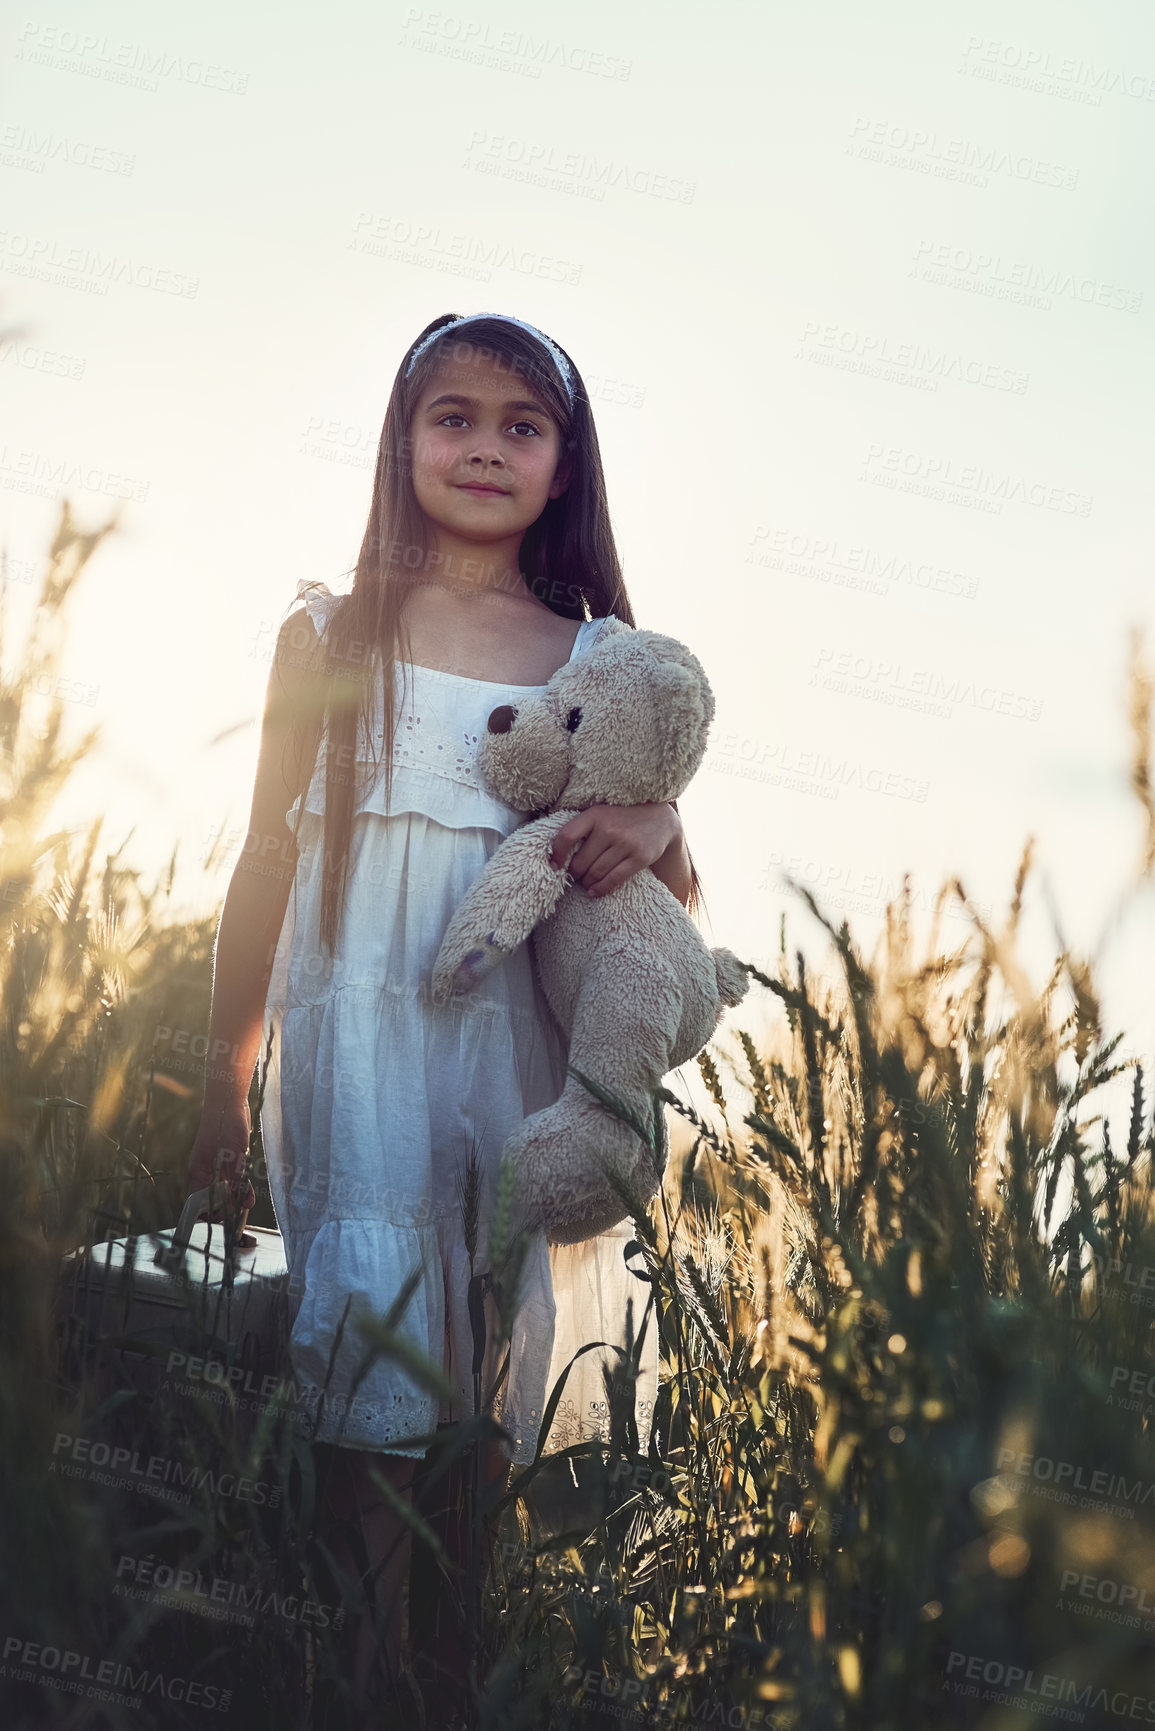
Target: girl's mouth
486, 492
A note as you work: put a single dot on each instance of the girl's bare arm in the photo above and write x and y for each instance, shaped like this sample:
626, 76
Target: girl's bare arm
258, 894
673, 867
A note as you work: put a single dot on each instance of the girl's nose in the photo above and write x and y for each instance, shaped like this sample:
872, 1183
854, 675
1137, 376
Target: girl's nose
501, 719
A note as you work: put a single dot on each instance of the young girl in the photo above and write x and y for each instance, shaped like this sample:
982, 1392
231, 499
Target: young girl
487, 563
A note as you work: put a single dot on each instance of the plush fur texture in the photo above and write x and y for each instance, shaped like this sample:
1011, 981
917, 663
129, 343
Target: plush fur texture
628, 975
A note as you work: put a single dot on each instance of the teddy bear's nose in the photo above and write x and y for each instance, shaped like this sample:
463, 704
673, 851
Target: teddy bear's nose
501, 720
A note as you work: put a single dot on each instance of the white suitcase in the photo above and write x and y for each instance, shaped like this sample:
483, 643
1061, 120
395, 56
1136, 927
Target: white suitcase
172, 1299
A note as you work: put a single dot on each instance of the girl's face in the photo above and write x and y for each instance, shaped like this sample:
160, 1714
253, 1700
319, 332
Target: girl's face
486, 454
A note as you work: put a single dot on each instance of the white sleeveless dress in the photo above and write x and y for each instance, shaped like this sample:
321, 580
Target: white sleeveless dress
374, 1097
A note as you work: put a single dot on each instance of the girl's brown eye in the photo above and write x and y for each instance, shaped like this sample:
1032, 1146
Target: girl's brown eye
572, 720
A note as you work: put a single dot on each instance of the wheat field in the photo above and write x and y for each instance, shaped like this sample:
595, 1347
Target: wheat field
901, 1472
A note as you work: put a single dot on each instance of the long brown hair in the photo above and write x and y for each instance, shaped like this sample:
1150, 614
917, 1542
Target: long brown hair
567, 557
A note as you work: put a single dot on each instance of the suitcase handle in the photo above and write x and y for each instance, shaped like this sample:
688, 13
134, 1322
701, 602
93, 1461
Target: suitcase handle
212, 1196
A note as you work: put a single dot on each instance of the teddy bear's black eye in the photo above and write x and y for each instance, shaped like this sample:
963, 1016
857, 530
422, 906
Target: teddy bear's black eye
572, 719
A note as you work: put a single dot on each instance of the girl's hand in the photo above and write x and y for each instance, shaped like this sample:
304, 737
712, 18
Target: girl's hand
219, 1151
616, 841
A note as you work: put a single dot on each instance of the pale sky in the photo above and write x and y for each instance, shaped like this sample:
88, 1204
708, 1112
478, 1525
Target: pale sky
864, 297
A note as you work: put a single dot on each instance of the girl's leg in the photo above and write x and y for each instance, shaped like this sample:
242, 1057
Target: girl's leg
438, 1625
370, 1545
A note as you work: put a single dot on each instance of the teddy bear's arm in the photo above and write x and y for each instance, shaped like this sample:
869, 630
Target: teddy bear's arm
516, 891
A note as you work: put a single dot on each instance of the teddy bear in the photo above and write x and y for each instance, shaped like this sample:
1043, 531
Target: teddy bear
627, 975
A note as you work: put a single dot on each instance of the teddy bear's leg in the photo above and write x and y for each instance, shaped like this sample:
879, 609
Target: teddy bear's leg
557, 1154
624, 1023
514, 893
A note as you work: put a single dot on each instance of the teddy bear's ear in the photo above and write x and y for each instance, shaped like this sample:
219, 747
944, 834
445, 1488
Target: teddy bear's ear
684, 706
612, 626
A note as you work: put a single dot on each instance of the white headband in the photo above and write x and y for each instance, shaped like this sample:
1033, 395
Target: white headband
562, 364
